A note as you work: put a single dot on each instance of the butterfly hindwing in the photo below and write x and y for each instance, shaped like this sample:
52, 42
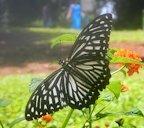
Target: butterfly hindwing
47, 98
79, 93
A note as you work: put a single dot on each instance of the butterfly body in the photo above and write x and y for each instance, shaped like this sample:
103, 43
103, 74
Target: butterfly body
81, 77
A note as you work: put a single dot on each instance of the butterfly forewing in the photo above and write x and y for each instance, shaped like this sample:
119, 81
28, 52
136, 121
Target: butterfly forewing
89, 62
80, 79
93, 39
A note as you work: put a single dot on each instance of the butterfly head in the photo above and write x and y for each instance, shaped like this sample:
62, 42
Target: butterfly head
64, 62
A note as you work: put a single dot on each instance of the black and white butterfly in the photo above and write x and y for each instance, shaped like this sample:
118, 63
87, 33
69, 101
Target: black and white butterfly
81, 77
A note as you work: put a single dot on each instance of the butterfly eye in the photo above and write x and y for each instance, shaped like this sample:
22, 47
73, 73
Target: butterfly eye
61, 62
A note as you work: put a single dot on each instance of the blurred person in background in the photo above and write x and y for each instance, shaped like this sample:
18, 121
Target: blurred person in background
74, 14
47, 22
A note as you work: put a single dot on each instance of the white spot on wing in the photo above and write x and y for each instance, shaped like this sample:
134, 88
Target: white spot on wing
33, 97
81, 46
56, 99
45, 106
37, 98
87, 38
71, 80
96, 41
102, 22
50, 100
29, 105
43, 86
36, 112
40, 103
45, 98
97, 47
28, 115
54, 89
102, 35
52, 83
44, 91
32, 109
90, 25
89, 48
72, 101
98, 19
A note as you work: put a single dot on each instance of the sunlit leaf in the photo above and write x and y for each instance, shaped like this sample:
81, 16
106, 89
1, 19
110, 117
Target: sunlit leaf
4, 102
134, 112
124, 72
35, 83
118, 59
63, 39
16, 121
115, 88
106, 96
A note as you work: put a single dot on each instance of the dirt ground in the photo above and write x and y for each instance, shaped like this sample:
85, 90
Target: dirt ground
22, 53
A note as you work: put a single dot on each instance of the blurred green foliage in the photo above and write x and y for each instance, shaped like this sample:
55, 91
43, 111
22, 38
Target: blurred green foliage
16, 89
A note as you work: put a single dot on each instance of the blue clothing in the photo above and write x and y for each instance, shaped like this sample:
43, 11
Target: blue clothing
75, 16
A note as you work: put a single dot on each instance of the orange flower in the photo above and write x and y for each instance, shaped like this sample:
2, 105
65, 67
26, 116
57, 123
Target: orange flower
124, 88
47, 118
132, 67
41, 127
97, 126
107, 125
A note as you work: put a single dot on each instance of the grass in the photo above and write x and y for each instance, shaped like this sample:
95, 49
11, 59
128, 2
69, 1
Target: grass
116, 36
130, 36
127, 36
16, 89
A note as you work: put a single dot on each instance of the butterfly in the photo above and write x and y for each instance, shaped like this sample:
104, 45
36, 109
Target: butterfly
82, 75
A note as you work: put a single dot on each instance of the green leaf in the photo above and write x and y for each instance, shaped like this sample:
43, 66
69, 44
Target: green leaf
118, 59
63, 39
136, 112
35, 83
124, 72
120, 122
106, 96
101, 115
16, 121
4, 102
115, 88
1, 124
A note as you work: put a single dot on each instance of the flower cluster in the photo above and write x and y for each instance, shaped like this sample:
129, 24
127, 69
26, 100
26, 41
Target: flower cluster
124, 88
47, 118
132, 67
43, 121
106, 125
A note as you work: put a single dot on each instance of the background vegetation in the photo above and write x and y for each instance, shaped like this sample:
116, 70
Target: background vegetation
23, 41
15, 88
27, 13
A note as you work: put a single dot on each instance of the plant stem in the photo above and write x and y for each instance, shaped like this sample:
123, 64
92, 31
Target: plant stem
118, 70
90, 114
1, 124
67, 118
